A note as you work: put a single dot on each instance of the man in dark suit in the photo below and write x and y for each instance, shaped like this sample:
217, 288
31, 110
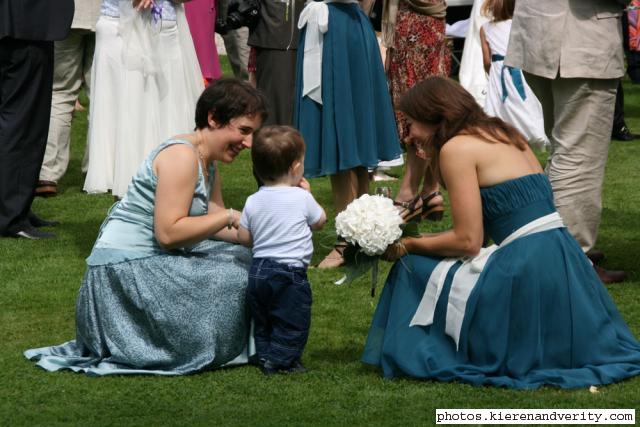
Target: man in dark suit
27, 31
275, 38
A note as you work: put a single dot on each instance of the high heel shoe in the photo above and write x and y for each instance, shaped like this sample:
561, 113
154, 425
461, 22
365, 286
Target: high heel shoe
409, 210
413, 212
432, 213
335, 258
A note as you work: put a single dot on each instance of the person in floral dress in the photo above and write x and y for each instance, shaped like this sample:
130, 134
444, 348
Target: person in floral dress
414, 34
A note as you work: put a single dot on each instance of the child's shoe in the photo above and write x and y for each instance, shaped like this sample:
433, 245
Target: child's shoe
268, 368
296, 368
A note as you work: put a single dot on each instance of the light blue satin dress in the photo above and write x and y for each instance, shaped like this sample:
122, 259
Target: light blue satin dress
538, 315
142, 309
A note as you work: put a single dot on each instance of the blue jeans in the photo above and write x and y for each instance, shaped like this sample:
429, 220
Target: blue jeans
279, 300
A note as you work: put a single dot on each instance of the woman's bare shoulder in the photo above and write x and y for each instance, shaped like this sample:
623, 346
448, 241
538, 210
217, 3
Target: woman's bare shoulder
460, 151
177, 159
462, 144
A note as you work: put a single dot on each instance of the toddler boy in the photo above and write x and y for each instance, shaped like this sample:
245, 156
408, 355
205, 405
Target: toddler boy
277, 221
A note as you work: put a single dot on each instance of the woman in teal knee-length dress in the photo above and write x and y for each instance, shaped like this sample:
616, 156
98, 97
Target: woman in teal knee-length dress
343, 106
528, 312
164, 288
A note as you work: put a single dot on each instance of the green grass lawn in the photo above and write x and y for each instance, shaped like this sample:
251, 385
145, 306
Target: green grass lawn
39, 281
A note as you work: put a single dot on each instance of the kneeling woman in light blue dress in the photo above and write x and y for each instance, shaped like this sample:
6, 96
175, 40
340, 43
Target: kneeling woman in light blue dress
526, 312
165, 283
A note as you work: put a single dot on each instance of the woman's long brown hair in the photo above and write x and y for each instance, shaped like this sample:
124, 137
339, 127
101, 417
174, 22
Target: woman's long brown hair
443, 103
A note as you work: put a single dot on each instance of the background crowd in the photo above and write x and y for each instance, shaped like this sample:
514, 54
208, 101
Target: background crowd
140, 75
150, 62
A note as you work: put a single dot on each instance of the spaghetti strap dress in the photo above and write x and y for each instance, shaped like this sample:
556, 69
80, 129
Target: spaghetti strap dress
538, 314
144, 310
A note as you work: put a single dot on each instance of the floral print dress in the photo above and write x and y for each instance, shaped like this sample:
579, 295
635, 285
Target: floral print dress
419, 51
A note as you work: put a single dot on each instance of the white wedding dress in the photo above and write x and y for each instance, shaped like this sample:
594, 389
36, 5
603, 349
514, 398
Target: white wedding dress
146, 84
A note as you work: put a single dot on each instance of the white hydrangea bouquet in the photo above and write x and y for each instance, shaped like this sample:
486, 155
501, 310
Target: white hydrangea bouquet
369, 224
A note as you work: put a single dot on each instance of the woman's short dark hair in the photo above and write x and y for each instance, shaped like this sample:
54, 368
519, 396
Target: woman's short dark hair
229, 98
274, 150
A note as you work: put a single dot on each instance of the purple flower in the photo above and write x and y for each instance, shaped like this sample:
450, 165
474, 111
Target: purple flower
156, 12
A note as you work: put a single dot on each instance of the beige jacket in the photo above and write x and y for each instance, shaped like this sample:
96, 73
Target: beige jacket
86, 15
572, 38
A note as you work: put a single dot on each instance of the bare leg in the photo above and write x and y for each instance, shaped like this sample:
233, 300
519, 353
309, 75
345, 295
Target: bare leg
418, 172
431, 185
362, 181
415, 173
346, 187
430, 181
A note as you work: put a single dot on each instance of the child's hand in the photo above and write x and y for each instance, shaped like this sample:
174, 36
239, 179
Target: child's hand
304, 184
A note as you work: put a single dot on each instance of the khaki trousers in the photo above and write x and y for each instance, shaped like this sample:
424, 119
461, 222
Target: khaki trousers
578, 116
73, 57
235, 43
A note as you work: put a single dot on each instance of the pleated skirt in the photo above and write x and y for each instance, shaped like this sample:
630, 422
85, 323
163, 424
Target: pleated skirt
355, 124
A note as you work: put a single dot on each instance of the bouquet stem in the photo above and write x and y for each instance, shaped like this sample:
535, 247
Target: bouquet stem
374, 278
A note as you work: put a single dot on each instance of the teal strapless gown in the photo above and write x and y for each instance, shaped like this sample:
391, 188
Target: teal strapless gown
141, 309
538, 314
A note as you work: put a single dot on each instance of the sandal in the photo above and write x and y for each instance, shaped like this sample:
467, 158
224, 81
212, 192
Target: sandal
432, 213
408, 210
411, 212
335, 258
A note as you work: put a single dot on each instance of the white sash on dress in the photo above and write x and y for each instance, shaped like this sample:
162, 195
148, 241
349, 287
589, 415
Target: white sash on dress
466, 278
315, 16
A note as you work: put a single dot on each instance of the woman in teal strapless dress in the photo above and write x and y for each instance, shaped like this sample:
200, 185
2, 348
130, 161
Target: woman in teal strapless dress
527, 313
164, 288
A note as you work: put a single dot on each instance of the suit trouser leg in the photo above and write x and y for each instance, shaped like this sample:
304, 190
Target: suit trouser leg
633, 66
68, 71
26, 74
276, 78
582, 119
87, 66
235, 43
618, 115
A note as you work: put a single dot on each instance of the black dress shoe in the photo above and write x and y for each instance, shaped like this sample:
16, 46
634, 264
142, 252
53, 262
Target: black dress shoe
622, 134
46, 189
28, 231
610, 276
595, 256
36, 221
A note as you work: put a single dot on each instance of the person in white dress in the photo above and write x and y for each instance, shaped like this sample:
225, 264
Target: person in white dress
146, 79
508, 95
471, 75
